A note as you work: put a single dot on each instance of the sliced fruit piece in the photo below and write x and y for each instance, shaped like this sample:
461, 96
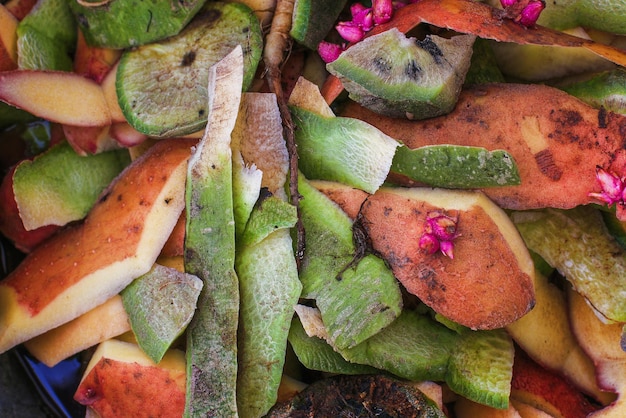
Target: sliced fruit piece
481, 367
602, 342
20, 8
161, 86
120, 380
455, 166
8, 39
356, 292
546, 390
210, 249
405, 77
160, 305
126, 135
55, 96
489, 282
546, 336
344, 395
119, 24
110, 95
483, 67
89, 140
11, 225
547, 132
46, 195
578, 245
92, 261
313, 19
464, 408
600, 90
306, 95
342, 149
599, 14
258, 136
543, 62
47, 37
103, 322
92, 61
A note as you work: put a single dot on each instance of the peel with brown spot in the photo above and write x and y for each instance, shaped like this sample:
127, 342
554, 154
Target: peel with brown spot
489, 282
86, 264
556, 140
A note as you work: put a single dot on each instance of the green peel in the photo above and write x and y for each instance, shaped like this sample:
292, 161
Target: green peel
60, 186
344, 150
455, 166
577, 243
160, 305
356, 297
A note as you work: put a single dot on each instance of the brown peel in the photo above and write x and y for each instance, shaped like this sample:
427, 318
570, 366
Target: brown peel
489, 282
556, 140
88, 263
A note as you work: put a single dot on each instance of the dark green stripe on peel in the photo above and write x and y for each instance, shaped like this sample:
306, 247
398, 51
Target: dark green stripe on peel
456, 166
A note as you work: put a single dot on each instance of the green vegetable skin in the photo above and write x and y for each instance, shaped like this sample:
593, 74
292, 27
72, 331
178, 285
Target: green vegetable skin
210, 251
39, 185
269, 289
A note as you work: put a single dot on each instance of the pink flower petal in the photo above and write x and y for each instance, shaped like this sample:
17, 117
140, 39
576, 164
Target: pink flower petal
447, 248
429, 243
531, 12
328, 51
350, 31
382, 10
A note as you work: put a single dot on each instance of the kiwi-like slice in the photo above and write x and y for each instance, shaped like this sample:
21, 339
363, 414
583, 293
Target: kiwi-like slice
394, 75
162, 87
122, 23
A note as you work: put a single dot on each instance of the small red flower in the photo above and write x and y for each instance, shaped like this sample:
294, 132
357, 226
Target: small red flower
382, 11
530, 13
329, 51
613, 187
439, 233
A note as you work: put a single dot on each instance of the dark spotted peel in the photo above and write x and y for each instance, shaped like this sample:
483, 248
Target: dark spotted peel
161, 87
405, 77
359, 396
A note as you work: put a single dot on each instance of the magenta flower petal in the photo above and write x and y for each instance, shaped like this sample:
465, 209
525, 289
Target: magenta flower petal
447, 248
531, 12
357, 8
508, 3
350, 31
429, 243
442, 227
382, 11
364, 19
329, 51
612, 187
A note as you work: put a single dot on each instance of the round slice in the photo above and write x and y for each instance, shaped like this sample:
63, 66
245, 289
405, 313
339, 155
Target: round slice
398, 76
121, 24
162, 87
